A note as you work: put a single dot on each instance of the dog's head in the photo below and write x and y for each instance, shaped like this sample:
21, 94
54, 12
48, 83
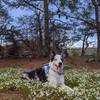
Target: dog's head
57, 59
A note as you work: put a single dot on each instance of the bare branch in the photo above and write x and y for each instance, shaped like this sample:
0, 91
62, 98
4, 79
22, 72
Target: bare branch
93, 2
78, 18
32, 5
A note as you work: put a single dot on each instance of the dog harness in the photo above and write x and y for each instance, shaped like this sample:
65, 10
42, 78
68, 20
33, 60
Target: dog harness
46, 68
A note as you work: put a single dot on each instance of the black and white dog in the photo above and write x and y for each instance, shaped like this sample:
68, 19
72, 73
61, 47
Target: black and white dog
36, 74
53, 72
56, 72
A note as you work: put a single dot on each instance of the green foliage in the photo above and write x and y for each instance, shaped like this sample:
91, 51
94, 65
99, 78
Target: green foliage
85, 84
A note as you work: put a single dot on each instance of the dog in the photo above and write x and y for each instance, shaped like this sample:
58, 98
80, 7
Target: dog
56, 72
36, 74
52, 73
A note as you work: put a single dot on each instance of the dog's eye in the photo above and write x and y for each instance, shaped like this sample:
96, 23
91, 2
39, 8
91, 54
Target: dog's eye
55, 59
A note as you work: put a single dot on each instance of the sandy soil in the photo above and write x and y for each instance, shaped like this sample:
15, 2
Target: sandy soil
12, 95
26, 63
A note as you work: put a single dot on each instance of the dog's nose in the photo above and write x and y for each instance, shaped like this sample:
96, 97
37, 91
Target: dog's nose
60, 63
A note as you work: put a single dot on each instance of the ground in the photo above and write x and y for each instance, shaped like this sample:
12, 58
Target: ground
12, 95
75, 62
84, 82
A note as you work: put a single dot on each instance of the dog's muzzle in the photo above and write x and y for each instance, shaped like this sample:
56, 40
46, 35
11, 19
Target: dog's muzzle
60, 64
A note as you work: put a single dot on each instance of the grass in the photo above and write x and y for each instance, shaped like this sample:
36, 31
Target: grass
85, 83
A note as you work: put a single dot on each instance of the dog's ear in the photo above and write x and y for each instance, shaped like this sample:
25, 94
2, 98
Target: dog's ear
52, 55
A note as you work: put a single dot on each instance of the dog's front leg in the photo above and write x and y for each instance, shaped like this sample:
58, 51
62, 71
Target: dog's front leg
52, 81
64, 87
67, 89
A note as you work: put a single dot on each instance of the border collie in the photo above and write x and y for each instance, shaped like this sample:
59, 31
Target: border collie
53, 72
56, 72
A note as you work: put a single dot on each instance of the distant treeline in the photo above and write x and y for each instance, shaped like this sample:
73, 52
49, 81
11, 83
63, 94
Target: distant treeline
53, 25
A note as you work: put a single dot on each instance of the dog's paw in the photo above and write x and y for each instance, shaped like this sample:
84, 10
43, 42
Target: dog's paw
67, 89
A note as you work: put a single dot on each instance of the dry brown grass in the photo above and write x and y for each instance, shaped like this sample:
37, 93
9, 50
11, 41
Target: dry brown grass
77, 62
12, 95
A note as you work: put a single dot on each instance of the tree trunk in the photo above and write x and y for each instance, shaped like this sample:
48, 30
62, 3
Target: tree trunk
40, 49
97, 15
83, 46
98, 47
39, 29
47, 33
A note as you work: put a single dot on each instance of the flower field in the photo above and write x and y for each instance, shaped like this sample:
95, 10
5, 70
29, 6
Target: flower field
85, 83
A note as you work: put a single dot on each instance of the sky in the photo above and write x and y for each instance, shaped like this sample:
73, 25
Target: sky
22, 12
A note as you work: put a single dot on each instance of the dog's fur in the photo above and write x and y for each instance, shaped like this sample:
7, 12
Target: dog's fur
37, 74
56, 72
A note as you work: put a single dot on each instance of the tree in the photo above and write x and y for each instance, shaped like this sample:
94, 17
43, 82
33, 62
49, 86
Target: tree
46, 27
96, 4
12, 36
47, 32
5, 20
33, 5
86, 33
83, 12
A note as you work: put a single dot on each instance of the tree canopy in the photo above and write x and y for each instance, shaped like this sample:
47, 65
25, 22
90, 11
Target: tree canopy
53, 24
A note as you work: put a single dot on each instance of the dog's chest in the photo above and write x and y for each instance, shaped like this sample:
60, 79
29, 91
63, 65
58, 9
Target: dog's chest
54, 75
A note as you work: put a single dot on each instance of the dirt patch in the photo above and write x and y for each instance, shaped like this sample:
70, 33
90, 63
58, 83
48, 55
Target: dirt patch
76, 62
12, 95
80, 62
25, 63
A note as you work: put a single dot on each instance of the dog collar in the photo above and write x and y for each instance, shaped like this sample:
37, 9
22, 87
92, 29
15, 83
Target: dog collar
59, 73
